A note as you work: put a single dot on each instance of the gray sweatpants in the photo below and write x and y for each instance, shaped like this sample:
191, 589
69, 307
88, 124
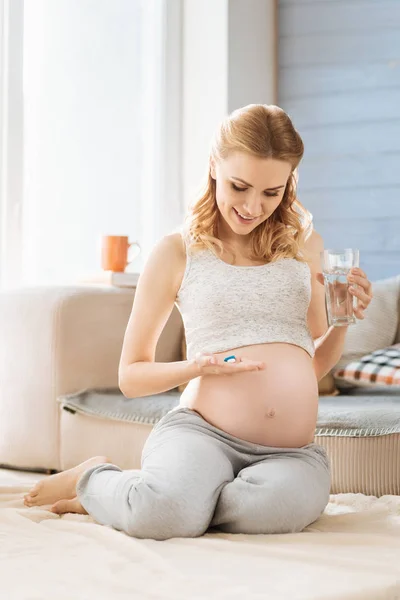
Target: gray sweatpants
195, 476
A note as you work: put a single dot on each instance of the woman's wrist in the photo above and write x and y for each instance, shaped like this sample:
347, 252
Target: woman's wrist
340, 331
192, 368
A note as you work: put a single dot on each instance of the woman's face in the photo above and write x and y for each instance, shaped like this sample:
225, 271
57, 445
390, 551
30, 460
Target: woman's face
247, 186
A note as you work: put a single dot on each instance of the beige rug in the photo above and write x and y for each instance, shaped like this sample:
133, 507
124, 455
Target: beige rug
351, 552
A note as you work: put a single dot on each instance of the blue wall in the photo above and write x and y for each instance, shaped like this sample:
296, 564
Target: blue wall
339, 80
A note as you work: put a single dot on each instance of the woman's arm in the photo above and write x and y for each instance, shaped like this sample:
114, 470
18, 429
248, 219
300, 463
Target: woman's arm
139, 374
328, 350
147, 378
329, 347
329, 342
316, 317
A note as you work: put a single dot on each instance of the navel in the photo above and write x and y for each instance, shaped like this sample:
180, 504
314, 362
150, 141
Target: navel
270, 413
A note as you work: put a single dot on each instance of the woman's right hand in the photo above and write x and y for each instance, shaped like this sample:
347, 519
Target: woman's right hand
211, 364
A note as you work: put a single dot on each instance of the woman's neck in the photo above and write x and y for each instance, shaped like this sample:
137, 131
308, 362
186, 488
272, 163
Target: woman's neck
237, 243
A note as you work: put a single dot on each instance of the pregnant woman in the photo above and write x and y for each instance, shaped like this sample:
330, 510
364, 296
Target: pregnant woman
238, 452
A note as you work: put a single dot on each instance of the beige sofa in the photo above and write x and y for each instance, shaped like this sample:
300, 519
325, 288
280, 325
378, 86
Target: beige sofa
57, 341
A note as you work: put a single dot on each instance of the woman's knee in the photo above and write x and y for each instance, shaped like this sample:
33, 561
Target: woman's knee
165, 529
269, 510
167, 518
291, 512
271, 521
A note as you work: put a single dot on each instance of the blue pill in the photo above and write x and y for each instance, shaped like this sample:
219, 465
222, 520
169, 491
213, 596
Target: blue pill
230, 358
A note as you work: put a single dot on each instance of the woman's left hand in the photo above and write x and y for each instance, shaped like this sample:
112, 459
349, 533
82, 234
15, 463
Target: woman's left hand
363, 291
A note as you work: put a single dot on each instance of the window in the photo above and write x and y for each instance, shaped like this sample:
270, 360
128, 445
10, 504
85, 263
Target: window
95, 90
11, 138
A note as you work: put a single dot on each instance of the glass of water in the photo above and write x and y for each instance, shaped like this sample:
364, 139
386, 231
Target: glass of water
340, 304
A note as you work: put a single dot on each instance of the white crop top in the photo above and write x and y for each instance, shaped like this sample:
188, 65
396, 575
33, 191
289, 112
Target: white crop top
226, 306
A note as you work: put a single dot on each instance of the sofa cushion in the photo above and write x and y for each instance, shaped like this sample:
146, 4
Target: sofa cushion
112, 404
377, 330
360, 434
380, 368
341, 415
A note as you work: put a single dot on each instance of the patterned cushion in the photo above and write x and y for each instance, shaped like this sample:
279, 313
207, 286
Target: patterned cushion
381, 367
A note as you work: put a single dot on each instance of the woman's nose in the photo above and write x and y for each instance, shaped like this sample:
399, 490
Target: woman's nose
253, 205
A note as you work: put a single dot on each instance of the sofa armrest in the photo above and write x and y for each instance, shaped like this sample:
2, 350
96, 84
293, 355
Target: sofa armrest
55, 341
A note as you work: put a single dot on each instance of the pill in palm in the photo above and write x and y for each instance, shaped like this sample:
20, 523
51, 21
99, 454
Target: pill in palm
230, 359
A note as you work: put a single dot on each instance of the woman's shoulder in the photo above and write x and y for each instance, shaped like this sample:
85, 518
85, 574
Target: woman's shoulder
314, 242
172, 246
169, 257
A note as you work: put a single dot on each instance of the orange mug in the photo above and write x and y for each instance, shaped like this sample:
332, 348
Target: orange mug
115, 252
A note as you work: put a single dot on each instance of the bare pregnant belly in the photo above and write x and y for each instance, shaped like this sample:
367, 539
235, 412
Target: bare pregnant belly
275, 407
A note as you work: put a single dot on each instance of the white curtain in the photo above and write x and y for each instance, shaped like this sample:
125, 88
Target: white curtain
95, 112
11, 139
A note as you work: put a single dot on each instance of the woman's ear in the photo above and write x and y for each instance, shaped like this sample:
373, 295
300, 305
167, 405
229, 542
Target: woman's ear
212, 168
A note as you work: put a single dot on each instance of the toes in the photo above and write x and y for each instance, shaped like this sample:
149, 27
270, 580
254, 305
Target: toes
67, 506
29, 501
60, 507
35, 490
31, 494
30, 497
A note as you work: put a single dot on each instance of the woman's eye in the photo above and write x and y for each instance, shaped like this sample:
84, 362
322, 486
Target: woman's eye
238, 189
242, 189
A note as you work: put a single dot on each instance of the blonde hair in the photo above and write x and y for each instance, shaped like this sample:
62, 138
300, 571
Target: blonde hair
265, 131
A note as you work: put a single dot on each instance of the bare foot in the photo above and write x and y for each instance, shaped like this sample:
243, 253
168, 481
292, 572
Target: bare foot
61, 486
68, 506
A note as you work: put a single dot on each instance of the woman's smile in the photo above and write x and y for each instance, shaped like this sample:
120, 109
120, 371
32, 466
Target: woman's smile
242, 219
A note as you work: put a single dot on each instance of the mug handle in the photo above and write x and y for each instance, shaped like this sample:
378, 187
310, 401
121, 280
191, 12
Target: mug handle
135, 253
